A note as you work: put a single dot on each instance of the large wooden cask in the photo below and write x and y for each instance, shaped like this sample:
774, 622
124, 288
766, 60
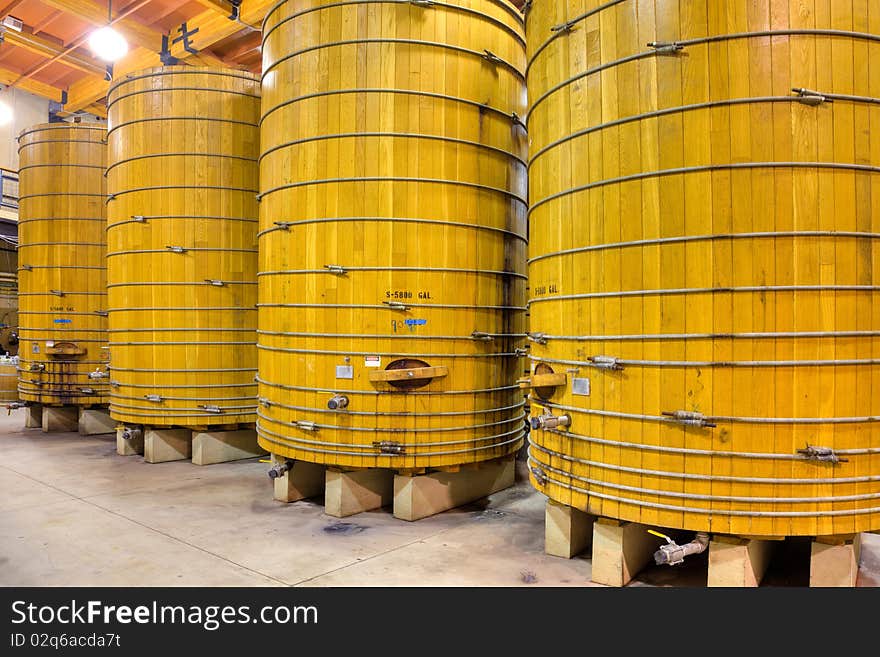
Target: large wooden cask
392, 232
182, 254
705, 214
62, 274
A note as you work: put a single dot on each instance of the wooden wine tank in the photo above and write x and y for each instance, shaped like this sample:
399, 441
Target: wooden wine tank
8, 378
62, 277
182, 260
393, 220
704, 263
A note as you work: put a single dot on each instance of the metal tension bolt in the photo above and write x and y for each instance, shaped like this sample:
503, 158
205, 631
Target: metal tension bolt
99, 374
540, 338
87, 391
305, 425
337, 402
215, 282
335, 269
279, 469
36, 367
606, 363
396, 305
211, 408
540, 475
811, 98
141, 219
176, 249
666, 47
689, 418
153, 398
480, 335
549, 421
521, 352
824, 454
389, 447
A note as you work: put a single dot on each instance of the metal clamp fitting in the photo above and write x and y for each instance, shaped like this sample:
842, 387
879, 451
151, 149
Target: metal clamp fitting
211, 408
336, 269
176, 249
540, 338
279, 469
666, 47
305, 425
396, 305
153, 398
606, 363
481, 336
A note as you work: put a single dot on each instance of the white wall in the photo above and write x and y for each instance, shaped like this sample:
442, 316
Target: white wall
27, 110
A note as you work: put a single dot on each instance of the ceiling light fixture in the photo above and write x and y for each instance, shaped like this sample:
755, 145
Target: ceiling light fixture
108, 44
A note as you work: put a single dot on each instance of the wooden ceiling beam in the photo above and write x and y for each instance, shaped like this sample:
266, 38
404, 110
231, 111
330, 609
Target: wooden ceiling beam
221, 6
134, 32
212, 27
31, 86
49, 49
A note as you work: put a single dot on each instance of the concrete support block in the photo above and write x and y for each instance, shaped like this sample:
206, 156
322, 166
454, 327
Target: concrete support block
129, 441
161, 445
302, 481
221, 446
94, 421
425, 495
60, 418
834, 561
348, 493
620, 551
33, 416
567, 531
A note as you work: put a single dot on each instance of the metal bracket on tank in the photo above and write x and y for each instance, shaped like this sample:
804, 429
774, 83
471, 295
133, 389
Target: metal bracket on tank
421, 3
153, 398
215, 282
336, 269
396, 305
87, 391
666, 47
139, 218
176, 249
305, 425
236, 10
102, 313
824, 454
481, 336
389, 447
211, 408
284, 225
689, 418
26, 267
521, 352
57, 293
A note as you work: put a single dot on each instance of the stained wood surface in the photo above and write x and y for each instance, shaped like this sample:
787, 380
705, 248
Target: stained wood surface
62, 274
392, 231
694, 218
182, 261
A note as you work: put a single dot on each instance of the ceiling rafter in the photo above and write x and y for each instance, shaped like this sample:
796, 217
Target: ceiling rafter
47, 48
31, 86
212, 28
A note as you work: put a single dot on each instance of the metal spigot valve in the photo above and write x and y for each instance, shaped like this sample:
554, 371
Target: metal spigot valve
279, 469
549, 421
337, 403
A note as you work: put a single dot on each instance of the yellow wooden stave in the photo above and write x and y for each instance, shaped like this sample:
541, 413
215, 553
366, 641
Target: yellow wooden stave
379, 156
182, 153
62, 248
741, 477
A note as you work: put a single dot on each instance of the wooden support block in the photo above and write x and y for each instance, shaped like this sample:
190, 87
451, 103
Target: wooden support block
221, 446
348, 493
131, 446
302, 481
60, 418
161, 445
738, 562
94, 422
567, 531
426, 495
835, 562
33, 416
620, 551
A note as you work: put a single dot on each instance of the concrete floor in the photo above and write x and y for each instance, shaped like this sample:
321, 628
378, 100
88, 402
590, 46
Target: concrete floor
74, 513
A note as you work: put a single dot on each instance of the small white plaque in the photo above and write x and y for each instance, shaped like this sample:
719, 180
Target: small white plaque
580, 387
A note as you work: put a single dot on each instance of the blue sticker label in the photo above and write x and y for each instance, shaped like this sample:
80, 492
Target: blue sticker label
63, 321
416, 322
